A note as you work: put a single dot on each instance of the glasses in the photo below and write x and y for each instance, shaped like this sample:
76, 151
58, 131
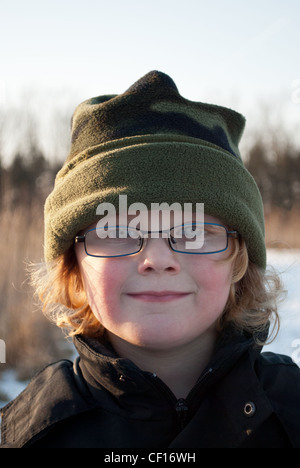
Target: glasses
121, 241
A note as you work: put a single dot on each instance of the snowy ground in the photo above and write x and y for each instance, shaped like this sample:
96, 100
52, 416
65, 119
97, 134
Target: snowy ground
286, 342
287, 263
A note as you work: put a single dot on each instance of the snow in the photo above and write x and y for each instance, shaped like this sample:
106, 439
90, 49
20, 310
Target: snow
287, 263
10, 386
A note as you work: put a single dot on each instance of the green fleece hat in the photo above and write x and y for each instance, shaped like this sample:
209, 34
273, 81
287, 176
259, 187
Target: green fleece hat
154, 146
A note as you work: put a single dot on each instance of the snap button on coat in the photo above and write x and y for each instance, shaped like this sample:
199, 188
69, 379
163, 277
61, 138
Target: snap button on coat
249, 409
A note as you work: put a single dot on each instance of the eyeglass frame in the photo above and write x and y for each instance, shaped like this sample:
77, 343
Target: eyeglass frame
229, 234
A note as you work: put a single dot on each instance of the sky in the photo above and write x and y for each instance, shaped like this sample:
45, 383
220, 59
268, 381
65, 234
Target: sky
235, 53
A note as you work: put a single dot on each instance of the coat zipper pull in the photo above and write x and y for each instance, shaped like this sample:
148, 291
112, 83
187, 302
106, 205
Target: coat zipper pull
182, 412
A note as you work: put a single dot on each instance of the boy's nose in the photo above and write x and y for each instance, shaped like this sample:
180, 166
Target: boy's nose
158, 257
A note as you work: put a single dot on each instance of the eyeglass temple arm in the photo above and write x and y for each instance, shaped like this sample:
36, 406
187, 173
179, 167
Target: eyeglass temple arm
78, 239
233, 234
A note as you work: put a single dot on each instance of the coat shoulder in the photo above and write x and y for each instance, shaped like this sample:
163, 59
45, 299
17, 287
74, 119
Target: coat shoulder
280, 377
51, 396
273, 367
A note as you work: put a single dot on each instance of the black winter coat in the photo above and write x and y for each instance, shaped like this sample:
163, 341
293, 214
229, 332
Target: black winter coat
244, 399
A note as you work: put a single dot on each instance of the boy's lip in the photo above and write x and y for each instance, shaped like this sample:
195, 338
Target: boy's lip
158, 296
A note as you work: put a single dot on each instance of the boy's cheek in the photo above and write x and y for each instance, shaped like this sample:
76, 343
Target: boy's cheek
103, 281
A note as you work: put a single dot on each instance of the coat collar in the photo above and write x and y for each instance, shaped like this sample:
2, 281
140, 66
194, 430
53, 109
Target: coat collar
102, 368
239, 397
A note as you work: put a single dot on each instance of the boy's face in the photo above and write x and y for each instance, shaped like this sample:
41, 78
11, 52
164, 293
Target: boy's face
158, 299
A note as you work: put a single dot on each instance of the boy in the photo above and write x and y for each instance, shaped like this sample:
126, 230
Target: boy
168, 314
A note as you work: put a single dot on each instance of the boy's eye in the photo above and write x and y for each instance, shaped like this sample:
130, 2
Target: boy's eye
191, 231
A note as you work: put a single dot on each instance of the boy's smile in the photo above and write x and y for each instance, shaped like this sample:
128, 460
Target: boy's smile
158, 296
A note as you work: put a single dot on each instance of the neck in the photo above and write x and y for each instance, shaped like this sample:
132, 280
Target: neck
179, 368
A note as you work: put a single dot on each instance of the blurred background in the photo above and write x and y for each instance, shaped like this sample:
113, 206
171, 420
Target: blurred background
55, 54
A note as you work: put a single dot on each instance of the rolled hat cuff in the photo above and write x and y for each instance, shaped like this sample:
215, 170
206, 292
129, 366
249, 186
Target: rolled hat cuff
154, 169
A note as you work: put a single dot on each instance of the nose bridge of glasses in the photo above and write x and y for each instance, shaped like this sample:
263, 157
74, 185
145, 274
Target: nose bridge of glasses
147, 237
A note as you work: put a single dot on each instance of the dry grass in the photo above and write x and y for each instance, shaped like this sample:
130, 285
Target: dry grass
31, 341
283, 229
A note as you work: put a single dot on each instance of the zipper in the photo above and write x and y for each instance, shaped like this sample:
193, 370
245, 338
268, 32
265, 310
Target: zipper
182, 404
182, 411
